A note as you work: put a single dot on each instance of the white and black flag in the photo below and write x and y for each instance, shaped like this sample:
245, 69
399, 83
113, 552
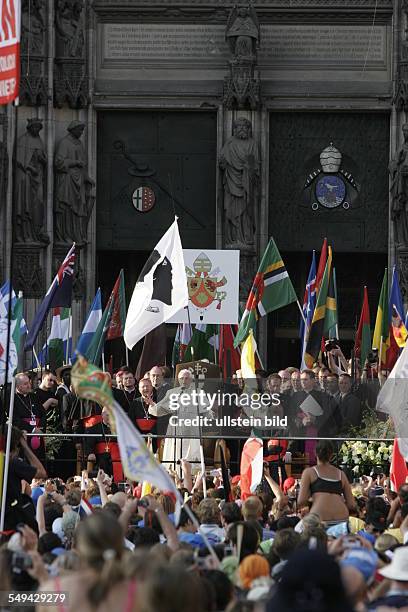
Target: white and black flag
161, 289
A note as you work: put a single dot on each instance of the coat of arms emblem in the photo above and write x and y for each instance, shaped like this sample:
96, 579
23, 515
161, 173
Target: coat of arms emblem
204, 283
330, 185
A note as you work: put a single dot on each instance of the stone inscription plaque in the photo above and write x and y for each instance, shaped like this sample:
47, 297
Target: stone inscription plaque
323, 44
158, 42
281, 45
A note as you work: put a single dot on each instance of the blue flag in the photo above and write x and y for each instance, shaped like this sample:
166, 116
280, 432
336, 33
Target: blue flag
59, 294
309, 304
91, 325
396, 311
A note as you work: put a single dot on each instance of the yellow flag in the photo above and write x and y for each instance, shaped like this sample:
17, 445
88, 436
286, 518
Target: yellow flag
248, 360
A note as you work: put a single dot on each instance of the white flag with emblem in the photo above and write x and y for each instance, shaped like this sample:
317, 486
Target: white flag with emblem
393, 399
161, 289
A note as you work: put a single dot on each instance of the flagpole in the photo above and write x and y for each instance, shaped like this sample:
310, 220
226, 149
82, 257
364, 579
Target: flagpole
7, 457
69, 335
200, 433
127, 355
302, 313
103, 360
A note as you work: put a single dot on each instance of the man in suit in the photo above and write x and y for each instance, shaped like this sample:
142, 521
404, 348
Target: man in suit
349, 405
312, 409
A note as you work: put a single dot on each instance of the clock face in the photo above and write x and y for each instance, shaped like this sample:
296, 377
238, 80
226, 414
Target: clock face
330, 191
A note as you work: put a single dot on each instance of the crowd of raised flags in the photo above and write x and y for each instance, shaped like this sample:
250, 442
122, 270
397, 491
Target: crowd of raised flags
271, 289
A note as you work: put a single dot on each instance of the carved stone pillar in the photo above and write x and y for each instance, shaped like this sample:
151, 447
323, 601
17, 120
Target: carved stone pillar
70, 77
33, 83
398, 168
242, 204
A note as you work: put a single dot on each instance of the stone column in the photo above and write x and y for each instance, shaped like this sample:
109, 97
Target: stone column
243, 156
398, 218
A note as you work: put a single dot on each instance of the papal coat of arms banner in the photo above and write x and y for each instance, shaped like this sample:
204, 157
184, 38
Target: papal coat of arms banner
213, 286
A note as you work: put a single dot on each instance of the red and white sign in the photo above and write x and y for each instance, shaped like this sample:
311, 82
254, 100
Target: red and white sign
10, 19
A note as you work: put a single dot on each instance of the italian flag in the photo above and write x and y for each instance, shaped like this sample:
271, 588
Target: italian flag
362, 344
181, 341
59, 341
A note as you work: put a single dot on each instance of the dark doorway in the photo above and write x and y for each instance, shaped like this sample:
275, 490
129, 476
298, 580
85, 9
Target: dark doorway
171, 154
174, 155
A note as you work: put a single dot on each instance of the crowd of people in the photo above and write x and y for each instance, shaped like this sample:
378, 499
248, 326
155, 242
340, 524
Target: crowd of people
330, 400
319, 545
101, 542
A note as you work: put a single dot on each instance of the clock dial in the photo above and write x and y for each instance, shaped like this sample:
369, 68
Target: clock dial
330, 191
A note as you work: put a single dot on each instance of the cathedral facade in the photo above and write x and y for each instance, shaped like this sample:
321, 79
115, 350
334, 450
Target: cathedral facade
270, 119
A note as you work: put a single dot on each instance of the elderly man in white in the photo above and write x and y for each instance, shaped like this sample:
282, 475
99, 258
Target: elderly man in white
183, 402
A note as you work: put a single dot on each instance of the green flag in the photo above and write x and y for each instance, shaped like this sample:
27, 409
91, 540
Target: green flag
202, 343
271, 289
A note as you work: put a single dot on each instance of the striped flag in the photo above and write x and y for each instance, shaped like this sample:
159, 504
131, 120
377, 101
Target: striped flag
383, 338
309, 304
322, 265
316, 330
58, 349
91, 324
181, 341
398, 467
251, 466
397, 311
271, 289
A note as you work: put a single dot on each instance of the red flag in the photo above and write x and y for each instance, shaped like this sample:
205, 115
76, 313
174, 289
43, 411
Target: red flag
118, 317
362, 345
398, 468
229, 357
251, 466
322, 265
10, 16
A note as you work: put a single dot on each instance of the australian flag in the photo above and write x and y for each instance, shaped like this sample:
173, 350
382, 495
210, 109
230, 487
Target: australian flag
309, 304
59, 294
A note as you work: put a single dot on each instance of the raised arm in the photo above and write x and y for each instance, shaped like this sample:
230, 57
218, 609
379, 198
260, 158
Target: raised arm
304, 491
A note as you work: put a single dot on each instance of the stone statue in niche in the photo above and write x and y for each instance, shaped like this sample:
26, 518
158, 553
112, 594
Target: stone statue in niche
70, 28
399, 191
30, 189
32, 27
243, 32
239, 161
74, 193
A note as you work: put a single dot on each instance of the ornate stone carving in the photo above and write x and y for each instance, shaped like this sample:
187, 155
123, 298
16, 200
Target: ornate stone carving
241, 87
74, 193
401, 88
239, 161
28, 275
70, 78
243, 33
30, 186
402, 265
33, 81
399, 191
3, 158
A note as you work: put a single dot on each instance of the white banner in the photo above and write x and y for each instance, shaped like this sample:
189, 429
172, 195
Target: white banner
213, 286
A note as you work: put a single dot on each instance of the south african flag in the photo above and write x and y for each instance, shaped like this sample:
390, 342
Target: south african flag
271, 289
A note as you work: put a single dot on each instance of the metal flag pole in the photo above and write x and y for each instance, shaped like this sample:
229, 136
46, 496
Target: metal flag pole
67, 358
302, 313
200, 433
7, 457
